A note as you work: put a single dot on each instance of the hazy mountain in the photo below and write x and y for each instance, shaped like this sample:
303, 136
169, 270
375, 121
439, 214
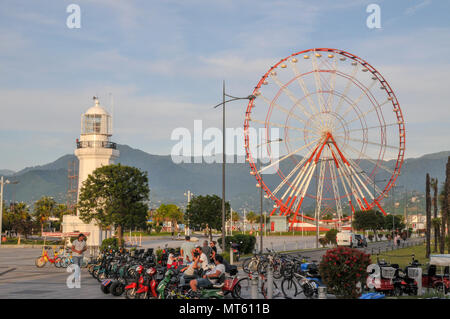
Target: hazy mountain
168, 181
6, 172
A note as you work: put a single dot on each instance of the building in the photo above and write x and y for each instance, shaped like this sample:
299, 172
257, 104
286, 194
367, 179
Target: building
94, 149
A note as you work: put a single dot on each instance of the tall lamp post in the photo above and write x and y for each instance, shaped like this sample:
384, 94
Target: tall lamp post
3, 182
189, 195
261, 191
232, 98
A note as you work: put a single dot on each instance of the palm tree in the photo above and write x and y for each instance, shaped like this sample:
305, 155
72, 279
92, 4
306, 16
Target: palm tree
251, 217
43, 209
435, 222
428, 211
446, 209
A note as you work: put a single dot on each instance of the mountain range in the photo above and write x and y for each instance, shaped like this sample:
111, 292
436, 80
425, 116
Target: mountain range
169, 181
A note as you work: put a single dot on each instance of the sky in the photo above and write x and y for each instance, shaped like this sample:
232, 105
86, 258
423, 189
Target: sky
163, 63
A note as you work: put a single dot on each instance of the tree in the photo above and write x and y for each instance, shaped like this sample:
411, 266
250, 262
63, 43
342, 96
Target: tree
206, 210
331, 236
168, 212
21, 221
59, 212
436, 225
252, 218
115, 195
44, 208
393, 222
235, 217
428, 212
369, 220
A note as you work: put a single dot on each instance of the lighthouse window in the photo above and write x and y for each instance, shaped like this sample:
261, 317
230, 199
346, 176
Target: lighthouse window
93, 124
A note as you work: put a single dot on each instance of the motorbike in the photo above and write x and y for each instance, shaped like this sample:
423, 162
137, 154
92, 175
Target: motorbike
236, 247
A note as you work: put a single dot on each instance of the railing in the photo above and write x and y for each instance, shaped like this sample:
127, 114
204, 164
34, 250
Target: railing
96, 144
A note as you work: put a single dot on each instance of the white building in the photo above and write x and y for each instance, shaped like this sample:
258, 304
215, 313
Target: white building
94, 149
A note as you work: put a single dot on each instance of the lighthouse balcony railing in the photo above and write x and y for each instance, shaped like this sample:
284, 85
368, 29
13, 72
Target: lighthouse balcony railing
96, 144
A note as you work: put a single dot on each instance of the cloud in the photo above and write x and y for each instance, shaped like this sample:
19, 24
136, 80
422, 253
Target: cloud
412, 10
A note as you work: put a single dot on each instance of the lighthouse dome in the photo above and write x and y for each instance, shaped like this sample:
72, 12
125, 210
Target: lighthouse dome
96, 120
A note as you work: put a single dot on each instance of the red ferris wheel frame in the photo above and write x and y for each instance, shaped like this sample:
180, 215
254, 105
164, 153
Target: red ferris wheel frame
284, 206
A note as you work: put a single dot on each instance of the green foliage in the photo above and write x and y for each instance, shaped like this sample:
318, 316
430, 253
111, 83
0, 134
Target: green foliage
393, 222
158, 229
331, 236
323, 241
247, 242
368, 220
113, 242
44, 208
168, 212
115, 195
18, 219
206, 210
342, 269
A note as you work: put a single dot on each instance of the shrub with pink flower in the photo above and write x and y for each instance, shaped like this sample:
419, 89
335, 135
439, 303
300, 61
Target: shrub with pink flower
342, 269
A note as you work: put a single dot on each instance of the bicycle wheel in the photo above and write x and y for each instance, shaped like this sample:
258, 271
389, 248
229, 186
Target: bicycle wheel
276, 292
64, 263
242, 289
289, 288
40, 262
245, 265
262, 266
277, 271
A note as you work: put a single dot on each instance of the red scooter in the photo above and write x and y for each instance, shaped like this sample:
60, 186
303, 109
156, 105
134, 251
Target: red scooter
147, 288
132, 288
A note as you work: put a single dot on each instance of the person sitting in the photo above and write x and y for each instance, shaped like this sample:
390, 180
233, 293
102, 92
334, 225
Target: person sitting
211, 277
190, 270
172, 261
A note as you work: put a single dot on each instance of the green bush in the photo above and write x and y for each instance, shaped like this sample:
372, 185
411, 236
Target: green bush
247, 242
331, 236
113, 242
324, 241
158, 229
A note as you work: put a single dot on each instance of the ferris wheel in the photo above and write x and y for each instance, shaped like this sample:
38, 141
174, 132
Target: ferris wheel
337, 125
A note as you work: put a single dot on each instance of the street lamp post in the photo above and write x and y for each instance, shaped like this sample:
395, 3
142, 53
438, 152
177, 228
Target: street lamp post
233, 98
261, 191
187, 230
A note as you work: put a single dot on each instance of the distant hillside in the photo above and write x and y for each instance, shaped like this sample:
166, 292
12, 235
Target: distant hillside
6, 172
168, 181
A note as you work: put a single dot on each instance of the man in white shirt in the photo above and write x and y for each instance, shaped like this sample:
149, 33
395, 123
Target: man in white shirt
78, 248
211, 277
203, 262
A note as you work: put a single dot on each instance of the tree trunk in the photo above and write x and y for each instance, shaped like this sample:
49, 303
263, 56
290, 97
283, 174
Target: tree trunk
446, 210
435, 205
428, 212
119, 235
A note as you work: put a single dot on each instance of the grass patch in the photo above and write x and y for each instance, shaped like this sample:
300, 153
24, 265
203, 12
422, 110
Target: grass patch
402, 256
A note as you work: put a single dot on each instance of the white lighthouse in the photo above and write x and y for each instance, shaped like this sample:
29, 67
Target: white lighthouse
94, 149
